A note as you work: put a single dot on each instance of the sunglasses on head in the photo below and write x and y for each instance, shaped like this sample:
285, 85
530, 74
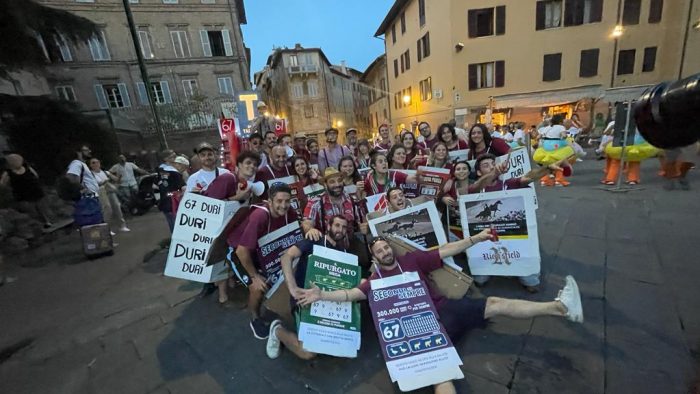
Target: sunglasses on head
375, 240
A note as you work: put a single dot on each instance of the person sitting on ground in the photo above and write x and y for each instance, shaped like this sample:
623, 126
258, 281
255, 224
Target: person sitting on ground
26, 189
457, 316
263, 219
294, 277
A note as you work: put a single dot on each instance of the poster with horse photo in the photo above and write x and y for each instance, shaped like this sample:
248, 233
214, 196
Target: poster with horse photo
512, 214
418, 226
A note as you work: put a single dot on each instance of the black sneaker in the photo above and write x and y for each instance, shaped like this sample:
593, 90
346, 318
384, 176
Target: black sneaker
261, 328
207, 290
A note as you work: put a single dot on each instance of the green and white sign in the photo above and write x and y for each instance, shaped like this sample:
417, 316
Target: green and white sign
327, 327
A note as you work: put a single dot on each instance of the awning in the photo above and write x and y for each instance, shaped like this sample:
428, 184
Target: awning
548, 98
626, 93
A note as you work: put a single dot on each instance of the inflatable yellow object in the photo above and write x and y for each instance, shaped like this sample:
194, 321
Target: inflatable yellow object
552, 151
637, 152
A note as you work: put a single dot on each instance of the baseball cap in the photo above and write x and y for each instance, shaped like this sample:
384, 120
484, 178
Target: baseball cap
182, 160
205, 146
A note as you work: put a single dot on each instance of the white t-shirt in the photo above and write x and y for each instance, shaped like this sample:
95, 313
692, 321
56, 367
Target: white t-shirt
496, 134
519, 134
555, 131
204, 178
508, 137
76, 167
573, 131
126, 172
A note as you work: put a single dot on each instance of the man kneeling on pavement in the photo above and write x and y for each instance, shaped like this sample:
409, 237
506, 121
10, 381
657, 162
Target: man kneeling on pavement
457, 316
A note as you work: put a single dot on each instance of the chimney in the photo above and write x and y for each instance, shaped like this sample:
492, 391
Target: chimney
298, 46
343, 67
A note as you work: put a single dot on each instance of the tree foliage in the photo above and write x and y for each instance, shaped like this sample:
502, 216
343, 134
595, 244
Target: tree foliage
20, 23
48, 133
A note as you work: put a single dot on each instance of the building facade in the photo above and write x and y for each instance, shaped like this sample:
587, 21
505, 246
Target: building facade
193, 50
375, 78
303, 87
523, 59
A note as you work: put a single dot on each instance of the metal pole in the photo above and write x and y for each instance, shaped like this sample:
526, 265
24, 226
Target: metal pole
624, 144
144, 75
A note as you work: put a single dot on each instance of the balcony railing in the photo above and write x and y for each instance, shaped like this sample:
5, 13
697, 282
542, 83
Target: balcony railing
178, 117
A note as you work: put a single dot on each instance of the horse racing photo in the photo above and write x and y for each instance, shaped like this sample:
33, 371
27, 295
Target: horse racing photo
414, 225
506, 215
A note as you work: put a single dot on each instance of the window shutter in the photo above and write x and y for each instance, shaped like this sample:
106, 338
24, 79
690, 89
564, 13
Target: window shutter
570, 8
64, 48
472, 76
551, 69
227, 42
500, 20
103, 47
206, 47
589, 63
540, 14
143, 96
471, 23
166, 92
655, 11
500, 73
408, 60
426, 48
101, 98
396, 68
596, 10
420, 53
649, 61
124, 92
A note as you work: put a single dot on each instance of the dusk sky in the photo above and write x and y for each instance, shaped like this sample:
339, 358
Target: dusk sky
343, 29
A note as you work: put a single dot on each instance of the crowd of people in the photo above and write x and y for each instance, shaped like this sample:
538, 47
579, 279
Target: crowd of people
338, 218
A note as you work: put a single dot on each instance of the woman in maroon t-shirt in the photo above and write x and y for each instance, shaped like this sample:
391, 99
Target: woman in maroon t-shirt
306, 174
397, 158
458, 185
480, 143
448, 135
439, 157
414, 154
379, 179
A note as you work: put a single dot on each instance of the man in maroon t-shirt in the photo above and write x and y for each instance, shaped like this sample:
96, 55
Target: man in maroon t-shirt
457, 316
262, 219
276, 168
429, 138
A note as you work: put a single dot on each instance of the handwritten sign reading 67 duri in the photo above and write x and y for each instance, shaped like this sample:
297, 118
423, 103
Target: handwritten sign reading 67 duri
199, 221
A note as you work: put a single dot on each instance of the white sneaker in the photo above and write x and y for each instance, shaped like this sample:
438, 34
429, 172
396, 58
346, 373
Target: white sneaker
124, 229
112, 233
273, 343
571, 298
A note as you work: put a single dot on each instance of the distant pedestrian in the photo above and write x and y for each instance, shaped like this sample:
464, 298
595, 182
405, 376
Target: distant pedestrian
79, 172
125, 171
109, 200
170, 182
26, 189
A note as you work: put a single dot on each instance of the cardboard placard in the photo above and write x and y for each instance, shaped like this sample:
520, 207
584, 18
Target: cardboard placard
271, 247
512, 214
418, 226
416, 348
431, 180
199, 222
327, 327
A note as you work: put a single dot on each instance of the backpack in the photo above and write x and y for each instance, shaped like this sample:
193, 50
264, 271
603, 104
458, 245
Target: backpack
68, 190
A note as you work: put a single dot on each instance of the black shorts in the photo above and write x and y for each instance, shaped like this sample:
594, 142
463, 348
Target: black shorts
460, 316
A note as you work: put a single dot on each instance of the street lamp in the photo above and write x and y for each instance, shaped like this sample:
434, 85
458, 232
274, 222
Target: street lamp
616, 34
340, 123
617, 31
407, 99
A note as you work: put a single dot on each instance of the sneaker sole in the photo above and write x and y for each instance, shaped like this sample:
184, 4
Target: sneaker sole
255, 334
273, 356
570, 281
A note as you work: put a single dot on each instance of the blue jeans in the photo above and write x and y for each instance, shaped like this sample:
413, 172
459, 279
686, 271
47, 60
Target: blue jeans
529, 280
